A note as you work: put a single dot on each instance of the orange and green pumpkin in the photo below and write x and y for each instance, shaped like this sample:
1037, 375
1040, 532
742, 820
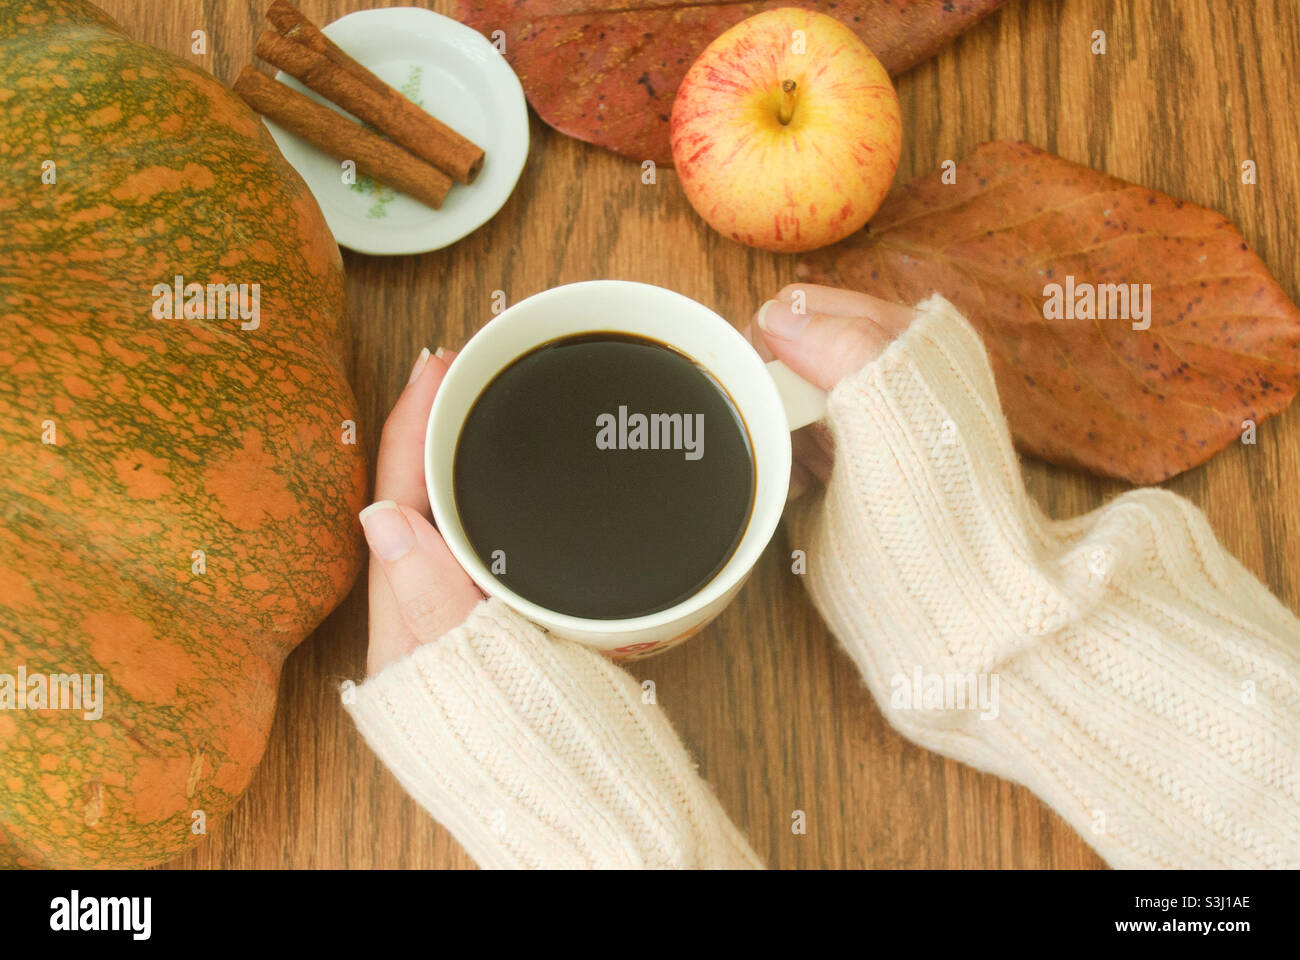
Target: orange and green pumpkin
177, 495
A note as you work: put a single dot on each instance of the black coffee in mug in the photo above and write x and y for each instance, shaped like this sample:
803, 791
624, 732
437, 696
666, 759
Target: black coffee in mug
604, 476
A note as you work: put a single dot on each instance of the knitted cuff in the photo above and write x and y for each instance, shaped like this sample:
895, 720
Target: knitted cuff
538, 752
1121, 665
927, 504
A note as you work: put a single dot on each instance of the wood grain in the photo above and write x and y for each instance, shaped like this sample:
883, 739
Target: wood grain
770, 707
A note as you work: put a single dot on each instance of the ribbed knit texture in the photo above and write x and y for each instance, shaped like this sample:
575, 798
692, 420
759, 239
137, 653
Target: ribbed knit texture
1147, 685
538, 752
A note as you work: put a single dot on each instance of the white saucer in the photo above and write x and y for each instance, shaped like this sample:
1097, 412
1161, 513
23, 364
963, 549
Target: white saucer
459, 77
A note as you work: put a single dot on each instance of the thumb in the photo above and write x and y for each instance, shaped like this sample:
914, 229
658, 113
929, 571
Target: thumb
823, 348
431, 592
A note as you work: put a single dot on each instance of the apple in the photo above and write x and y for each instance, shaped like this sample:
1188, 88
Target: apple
785, 132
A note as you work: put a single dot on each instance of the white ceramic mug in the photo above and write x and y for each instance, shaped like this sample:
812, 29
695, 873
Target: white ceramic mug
771, 400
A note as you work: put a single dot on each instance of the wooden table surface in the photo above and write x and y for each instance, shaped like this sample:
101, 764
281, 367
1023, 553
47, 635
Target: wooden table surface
769, 706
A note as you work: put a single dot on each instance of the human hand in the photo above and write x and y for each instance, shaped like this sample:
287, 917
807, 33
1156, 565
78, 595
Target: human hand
417, 589
492, 735
835, 334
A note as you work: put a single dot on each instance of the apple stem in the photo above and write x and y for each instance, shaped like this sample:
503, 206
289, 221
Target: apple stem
786, 111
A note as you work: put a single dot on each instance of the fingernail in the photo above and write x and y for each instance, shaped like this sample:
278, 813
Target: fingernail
387, 531
420, 361
439, 352
780, 320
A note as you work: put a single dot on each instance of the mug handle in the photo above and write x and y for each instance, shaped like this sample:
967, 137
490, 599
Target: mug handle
804, 402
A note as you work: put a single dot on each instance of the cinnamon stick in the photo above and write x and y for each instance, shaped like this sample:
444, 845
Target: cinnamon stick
286, 19
303, 52
342, 139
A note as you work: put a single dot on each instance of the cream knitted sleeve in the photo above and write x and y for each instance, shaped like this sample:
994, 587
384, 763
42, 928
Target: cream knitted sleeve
1135, 676
537, 752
